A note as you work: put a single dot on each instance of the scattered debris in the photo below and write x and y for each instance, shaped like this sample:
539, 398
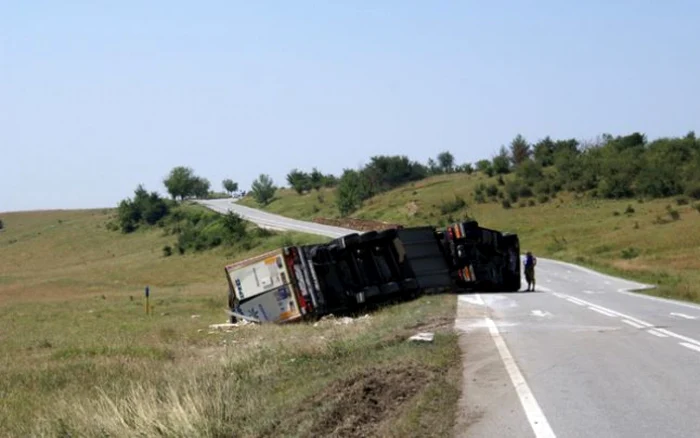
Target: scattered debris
423, 337
194, 316
228, 326
340, 321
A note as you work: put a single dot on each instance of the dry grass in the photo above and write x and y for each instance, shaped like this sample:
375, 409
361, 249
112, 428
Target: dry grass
79, 355
647, 244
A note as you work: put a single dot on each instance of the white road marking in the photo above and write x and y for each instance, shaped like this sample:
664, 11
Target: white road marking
601, 311
676, 335
639, 321
633, 324
683, 315
691, 346
541, 313
656, 333
538, 422
575, 302
660, 299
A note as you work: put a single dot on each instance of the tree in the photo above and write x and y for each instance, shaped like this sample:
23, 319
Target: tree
182, 182
544, 152
263, 189
446, 161
299, 181
200, 187
433, 167
519, 150
2, 225
352, 190
179, 182
316, 179
501, 163
485, 167
230, 186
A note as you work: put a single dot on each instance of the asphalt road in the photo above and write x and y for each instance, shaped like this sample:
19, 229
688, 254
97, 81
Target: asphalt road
579, 357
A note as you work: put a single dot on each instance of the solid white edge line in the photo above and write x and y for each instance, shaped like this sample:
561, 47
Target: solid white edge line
691, 346
633, 324
602, 312
538, 422
657, 333
660, 299
677, 336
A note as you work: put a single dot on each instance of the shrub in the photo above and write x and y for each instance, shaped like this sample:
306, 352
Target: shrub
630, 253
479, 198
167, 251
629, 210
672, 213
682, 200
543, 199
447, 207
500, 180
697, 207
693, 190
2, 225
525, 192
506, 204
492, 190
522, 204
531, 202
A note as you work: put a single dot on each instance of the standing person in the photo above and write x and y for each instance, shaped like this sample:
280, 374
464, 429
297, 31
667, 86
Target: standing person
530, 262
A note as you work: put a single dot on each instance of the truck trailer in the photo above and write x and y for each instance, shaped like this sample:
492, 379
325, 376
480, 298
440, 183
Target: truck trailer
309, 281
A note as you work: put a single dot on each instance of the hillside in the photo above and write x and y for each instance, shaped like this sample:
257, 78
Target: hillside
653, 240
80, 357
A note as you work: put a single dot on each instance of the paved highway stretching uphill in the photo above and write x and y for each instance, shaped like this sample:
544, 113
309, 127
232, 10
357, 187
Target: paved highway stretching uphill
580, 357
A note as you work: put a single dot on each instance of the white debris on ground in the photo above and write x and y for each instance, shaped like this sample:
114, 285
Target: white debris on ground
194, 316
423, 337
339, 321
228, 326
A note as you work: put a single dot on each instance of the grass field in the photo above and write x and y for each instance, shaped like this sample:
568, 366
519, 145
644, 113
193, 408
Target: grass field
79, 356
642, 240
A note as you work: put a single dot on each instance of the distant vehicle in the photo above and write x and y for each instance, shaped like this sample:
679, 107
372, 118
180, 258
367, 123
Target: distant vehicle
309, 281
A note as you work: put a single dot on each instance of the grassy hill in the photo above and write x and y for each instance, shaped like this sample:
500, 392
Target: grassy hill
78, 353
649, 240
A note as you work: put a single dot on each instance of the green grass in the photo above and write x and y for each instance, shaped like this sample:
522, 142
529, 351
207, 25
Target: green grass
632, 239
79, 355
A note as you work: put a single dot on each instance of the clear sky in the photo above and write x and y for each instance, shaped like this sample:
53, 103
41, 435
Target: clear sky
97, 97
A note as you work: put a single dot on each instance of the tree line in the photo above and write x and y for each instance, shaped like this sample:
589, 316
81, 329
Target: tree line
612, 167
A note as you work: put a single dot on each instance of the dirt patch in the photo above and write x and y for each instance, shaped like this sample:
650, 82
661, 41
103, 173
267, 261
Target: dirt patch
443, 324
356, 406
412, 208
356, 224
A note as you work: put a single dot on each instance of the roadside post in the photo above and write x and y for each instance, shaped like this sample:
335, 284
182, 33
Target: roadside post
148, 307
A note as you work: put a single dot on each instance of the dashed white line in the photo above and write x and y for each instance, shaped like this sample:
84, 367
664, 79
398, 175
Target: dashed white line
656, 333
644, 323
538, 422
571, 300
682, 315
633, 324
602, 312
691, 346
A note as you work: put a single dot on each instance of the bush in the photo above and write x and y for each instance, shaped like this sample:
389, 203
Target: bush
531, 202
525, 192
2, 225
697, 207
506, 204
492, 190
480, 198
673, 214
453, 206
693, 190
630, 253
629, 210
543, 199
681, 200
500, 180
167, 251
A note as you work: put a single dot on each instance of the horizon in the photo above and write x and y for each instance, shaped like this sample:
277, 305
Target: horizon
99, 99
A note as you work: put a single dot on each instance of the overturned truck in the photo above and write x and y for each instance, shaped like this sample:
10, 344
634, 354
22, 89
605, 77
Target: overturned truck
308, 281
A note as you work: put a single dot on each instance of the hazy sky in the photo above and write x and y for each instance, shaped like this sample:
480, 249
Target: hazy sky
97, 97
